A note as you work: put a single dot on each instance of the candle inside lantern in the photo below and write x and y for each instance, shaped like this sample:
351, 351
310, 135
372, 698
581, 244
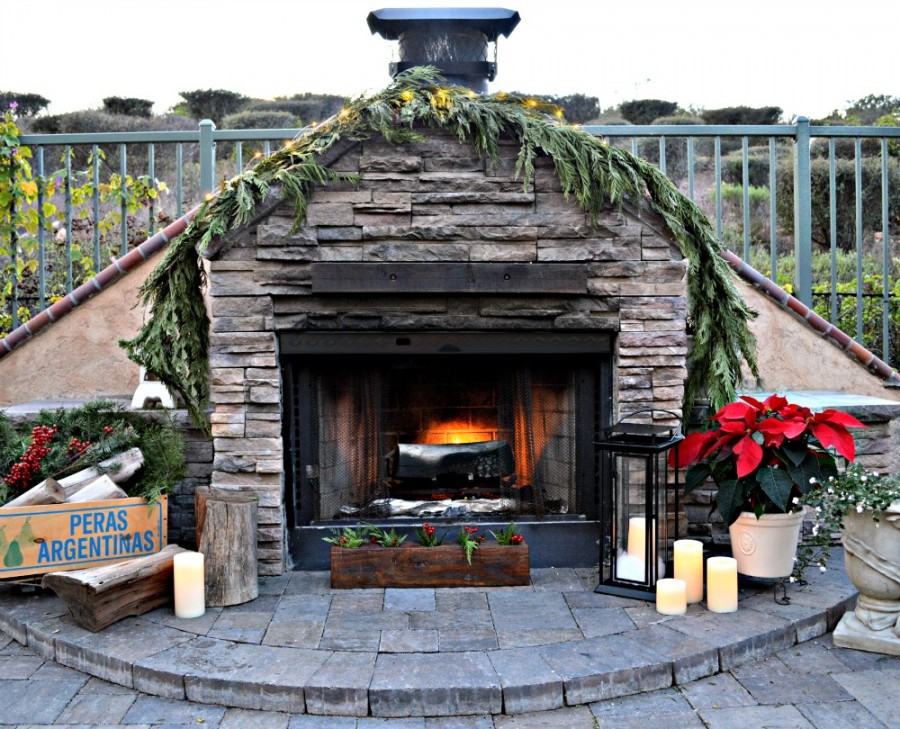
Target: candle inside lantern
721, 584
190, 594
637, 537
671, 596
689, 567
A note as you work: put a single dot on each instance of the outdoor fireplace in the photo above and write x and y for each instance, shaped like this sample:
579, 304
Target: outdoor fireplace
464, 427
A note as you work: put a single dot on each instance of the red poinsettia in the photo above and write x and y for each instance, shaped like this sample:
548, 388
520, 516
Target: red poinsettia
764, 455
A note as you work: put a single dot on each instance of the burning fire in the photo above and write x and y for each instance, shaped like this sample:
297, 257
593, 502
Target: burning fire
458, 431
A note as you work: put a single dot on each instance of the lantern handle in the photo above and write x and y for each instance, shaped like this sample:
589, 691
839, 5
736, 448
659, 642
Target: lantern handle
677, 418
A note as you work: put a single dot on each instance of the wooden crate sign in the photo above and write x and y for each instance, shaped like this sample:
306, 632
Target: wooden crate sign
39, 539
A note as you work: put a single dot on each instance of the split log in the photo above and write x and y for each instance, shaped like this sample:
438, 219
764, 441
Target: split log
99, 596
46, 492
100, 489
226, 534
126, 464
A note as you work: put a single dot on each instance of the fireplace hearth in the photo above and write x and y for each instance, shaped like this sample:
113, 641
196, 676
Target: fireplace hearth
465, 427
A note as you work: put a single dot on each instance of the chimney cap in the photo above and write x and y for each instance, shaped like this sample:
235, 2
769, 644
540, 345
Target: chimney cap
493, 22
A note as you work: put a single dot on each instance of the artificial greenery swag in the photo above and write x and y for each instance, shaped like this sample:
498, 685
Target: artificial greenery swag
174, 342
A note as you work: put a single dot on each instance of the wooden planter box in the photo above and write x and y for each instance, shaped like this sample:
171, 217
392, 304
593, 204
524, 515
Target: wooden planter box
412, 565
35, 540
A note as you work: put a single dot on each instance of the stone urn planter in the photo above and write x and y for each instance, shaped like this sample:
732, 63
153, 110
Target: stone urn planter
765, 547
872, 558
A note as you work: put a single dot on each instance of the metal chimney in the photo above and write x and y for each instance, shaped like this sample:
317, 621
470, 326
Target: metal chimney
455, 40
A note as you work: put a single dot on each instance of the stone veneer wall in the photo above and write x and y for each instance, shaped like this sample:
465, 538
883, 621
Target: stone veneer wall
433, 201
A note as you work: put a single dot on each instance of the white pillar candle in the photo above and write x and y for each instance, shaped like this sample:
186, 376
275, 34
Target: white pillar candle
190, 595
637, 535
671, 596
689, 567
721, 584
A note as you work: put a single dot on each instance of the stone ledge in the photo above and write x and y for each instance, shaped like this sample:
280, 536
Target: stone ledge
348, 675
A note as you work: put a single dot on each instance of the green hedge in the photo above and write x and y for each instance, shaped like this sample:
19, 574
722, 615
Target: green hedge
845, 195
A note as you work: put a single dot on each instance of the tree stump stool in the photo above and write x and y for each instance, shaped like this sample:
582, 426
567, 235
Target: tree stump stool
226, 535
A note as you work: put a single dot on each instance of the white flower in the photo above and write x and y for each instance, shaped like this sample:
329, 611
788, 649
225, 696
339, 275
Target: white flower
830, 491
823, 568
815, 529
859, 509
862, 478
812, 480
795, 500
792, 578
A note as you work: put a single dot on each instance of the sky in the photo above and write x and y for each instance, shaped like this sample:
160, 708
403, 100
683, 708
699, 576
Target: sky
807, 57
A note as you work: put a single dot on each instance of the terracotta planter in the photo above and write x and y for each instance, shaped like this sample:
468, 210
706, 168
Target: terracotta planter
872, 558
412, 565
765, 547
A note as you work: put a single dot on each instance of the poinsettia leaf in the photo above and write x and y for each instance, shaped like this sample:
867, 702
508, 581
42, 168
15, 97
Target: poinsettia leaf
812, 470
777, 485
695, 476
692, 448
794, 428
796, 452
749, 456
839, 417
774, 403
753, 401
730, 500
832, 435
737, 410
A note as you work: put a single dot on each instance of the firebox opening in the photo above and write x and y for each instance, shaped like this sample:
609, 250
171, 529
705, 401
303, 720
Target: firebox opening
466, 432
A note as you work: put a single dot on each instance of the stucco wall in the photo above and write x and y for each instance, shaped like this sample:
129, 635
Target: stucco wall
78, 358
792, 357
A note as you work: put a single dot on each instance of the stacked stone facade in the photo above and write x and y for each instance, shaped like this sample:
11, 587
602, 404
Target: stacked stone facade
431, 201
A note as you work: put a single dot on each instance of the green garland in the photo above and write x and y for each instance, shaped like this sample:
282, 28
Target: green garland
174, 342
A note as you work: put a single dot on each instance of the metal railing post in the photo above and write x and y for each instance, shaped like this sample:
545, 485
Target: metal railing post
207, 157
802, 214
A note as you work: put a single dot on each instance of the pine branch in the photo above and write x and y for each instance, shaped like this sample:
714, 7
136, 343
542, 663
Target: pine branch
173, 344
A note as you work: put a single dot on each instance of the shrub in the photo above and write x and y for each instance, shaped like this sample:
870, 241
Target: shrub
307, 107
28, 104
757, 164
733, 214
260, 120
742, 115
845, 195
578, 108
128, 107
676, 147
644, 111
213, 104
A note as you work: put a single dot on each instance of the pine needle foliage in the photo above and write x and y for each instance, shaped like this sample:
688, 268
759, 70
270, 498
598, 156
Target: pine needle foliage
174, 342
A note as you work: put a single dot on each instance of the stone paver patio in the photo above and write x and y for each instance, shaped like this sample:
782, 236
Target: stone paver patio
301, 649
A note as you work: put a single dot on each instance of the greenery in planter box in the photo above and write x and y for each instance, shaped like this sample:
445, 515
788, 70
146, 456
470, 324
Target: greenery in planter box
61, 442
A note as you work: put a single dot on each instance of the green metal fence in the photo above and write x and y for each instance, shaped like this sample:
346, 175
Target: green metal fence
743, 176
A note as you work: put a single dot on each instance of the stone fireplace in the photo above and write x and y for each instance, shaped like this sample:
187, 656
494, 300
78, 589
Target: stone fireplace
439, 302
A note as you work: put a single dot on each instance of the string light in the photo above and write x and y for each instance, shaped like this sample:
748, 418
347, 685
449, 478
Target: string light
531, 103
472, 94
344, 113
559, 113
257, 155
209, 196
314, 124
407, 95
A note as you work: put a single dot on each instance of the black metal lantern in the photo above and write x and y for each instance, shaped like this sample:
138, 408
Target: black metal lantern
639, 504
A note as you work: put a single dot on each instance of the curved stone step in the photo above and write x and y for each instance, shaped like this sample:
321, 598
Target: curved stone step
152, 656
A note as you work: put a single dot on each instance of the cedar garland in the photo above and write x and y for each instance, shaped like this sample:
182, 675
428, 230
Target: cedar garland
174, 342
